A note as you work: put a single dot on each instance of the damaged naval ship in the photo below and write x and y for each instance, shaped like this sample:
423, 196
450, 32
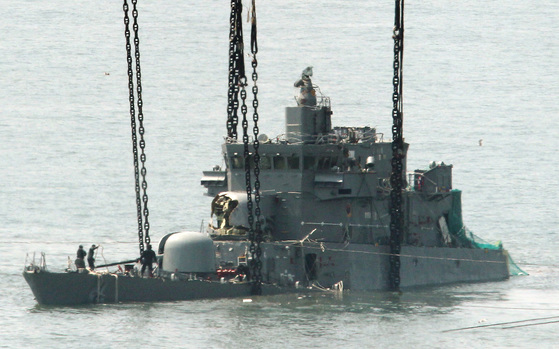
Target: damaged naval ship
320, 207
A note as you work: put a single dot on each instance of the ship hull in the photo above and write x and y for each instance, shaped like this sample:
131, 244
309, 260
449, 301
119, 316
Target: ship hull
286, 266
364, 267
72, 288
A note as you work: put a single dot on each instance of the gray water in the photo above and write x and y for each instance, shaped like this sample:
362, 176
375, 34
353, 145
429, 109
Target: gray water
473, 70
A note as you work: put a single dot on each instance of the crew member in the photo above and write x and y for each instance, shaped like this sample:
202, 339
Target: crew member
90, 258
80, 262
148, 258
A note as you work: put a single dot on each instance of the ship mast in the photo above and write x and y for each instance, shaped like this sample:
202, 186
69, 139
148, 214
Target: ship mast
398, 154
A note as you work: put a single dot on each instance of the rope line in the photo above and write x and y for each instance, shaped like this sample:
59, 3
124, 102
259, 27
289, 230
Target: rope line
507, 323
295, 242
512, 308
536, 324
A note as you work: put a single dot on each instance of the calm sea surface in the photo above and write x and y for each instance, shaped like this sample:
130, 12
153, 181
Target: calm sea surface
473, 70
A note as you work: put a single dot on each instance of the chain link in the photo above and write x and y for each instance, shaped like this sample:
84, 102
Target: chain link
236, 66
257, 234
141, 129
237, 85
141, 189
396, 177
131, 100
255, 276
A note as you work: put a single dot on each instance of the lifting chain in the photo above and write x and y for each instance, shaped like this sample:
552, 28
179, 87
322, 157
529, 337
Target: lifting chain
236, 66
237, 86
256, 237
396, 177
141, 195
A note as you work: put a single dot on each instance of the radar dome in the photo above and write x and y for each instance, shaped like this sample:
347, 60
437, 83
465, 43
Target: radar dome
189, 252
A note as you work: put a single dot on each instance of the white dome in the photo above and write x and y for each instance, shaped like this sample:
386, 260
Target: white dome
189, 252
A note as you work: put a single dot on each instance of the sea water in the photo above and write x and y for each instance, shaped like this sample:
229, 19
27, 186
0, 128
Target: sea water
481, 81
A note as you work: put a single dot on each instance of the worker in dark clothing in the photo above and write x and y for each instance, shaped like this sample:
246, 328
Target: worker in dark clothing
80, 262
90, 258
148, 258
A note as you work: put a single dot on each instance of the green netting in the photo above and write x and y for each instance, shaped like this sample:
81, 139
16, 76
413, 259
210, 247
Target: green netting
466, 238
514, 269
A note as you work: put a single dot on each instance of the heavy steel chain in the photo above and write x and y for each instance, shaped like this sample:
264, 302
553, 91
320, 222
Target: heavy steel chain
236, 66
396, 178
248, 161
141, 129
131, 100
237, 85
257, 235
141, 195
254, 271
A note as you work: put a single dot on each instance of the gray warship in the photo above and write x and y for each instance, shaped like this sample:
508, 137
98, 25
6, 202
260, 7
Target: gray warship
321, 207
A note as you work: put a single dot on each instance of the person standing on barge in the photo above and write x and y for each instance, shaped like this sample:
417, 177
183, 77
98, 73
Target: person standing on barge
90, 257
148, 258
80, 255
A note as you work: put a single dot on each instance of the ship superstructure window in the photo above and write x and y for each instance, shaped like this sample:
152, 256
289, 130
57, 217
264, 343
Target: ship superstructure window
237, 162
279, 162
309, 162
326, 163
293, 162
323, 163
265, 162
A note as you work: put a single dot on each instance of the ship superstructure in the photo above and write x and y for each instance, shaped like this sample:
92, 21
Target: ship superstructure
325, 195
